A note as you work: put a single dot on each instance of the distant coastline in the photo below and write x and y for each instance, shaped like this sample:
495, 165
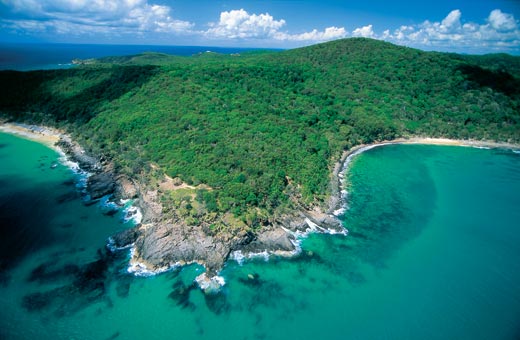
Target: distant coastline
29, 57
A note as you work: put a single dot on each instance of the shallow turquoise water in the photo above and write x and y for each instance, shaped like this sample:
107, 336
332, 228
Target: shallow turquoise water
432, 253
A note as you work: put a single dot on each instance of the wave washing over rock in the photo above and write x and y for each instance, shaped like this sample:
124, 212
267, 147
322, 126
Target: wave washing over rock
95, 181
294, 236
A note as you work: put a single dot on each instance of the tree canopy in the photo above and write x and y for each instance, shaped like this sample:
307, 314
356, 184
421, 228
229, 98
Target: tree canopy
262, 128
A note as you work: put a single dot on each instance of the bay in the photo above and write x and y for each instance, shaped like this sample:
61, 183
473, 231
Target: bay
431, 253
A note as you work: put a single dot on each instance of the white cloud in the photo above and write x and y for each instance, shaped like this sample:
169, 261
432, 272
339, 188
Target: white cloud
239, 24
330, 33
114, 19
500, 32
452, 22
365, 32
94, 16
503, 22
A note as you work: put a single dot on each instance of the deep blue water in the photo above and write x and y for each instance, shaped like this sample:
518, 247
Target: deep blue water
25, 57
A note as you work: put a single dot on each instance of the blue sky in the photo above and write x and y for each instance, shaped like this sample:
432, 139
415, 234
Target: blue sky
467, 26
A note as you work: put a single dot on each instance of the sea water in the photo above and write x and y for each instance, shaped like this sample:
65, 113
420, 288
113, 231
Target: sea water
432, 253
39, 56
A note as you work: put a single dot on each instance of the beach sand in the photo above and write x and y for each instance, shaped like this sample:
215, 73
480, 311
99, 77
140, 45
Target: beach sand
45, 135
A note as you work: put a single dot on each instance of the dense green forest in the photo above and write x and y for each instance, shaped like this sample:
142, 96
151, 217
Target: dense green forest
263, 128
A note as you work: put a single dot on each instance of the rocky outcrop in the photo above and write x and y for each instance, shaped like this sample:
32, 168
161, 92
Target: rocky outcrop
163, 242
272, 240
77, 154
125, 238
101, 184
126, 188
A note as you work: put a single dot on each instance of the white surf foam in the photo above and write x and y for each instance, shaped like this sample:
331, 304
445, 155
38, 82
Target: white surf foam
111, 245
339, 212
210, 284
298, 235
107, 204
133, 214
140, 269
237, 256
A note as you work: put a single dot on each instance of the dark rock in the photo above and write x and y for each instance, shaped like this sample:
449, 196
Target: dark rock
114, 336
181, 295
252, 280
100, 185
68, 182
125, 237
217, 302
37, 301
77, 154
67, 197
88, 202
110, 212
90, 280
47, 272
270, 240
248, 238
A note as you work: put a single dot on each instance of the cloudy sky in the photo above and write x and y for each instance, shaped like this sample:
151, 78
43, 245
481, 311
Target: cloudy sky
470, 26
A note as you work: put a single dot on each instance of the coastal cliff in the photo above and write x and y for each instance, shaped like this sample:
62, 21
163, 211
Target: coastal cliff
163, 241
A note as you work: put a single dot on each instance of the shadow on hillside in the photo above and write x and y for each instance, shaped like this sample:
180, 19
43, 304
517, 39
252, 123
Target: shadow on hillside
500, 81
46, 91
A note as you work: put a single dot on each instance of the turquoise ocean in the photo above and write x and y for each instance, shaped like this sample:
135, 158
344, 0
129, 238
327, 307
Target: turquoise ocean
432, 253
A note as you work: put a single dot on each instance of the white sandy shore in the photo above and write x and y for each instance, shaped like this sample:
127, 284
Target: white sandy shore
436, 141
347, 155
339, 194
41, 134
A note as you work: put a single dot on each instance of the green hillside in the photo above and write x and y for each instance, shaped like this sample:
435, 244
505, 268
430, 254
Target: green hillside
262, 128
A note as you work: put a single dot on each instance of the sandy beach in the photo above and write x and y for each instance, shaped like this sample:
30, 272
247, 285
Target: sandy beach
45, 135
335, 200
423, 140
436, 141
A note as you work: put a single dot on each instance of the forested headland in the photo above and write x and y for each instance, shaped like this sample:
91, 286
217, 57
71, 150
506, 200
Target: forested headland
256, 134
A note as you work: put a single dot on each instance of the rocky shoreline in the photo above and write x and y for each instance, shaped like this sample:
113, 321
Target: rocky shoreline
158, 243
163, 242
